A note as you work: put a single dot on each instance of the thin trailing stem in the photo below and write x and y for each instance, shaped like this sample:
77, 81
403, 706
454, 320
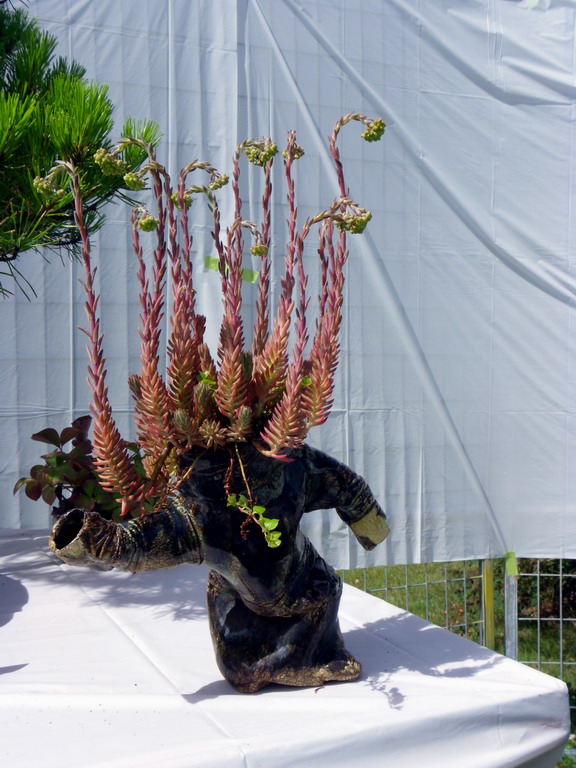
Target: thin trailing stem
254, 512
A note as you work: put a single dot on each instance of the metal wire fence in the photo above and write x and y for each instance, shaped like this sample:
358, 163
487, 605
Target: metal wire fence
528, 613
546, 623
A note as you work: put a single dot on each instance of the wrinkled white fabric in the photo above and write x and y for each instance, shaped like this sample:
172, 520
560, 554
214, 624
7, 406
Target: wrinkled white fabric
455, 395
108, 669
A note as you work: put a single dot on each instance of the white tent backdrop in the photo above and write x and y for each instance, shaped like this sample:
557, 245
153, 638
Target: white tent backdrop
456, 392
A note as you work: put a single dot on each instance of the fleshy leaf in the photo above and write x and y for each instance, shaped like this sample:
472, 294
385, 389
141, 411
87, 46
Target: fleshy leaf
268, 523
47, 435
69, 433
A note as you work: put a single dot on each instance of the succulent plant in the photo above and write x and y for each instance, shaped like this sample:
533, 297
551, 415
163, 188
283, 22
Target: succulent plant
269, 390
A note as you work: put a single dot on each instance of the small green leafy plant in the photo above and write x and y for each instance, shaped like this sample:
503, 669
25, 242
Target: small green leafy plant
254, 512
67, 479
257, 514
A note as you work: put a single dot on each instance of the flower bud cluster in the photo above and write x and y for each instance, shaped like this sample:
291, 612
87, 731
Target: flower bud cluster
181, 419
218, 182
187, 199
375, 130
134, 182
46, 187
296, 152
244, 419
259, 249
147, 223
110, 164
259, 152
355, 223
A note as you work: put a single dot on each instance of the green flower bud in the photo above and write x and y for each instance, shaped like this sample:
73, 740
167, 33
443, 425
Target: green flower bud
258, 153
297, 152
110, 164
47, 189
354, 223
187, 200
219, 182
134, 182
148, 223
375, 130
259, 250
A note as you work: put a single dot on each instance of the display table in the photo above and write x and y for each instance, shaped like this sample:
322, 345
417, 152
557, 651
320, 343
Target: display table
111, 669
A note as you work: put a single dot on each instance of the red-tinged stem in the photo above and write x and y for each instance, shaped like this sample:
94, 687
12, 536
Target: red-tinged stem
159, 271
332, 139
288, 283
261, 325
112, 461
186, 250
182, 351
152, 407
237, 199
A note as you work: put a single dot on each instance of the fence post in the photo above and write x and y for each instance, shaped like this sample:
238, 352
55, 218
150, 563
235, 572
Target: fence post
488, 603
511, 606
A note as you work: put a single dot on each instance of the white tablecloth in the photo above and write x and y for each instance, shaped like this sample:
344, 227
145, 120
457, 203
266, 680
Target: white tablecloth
110, 669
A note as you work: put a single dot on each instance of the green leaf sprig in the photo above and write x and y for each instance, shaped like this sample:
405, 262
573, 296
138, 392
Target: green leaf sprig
256, 512
253, 511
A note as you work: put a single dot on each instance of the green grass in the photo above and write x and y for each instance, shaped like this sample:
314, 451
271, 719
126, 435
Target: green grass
445, 594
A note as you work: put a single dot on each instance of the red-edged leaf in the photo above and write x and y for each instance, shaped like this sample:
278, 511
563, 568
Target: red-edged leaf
33, 490
48, 494
82, 423
19, 484
48, 435
70, 433
36, 471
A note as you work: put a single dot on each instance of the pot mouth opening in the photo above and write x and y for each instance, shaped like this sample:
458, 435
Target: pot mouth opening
67, 528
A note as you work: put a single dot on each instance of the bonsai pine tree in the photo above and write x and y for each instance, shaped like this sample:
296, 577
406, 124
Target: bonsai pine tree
48, 110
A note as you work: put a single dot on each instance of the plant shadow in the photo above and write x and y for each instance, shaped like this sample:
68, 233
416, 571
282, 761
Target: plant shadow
405, 642
400, 643
13, 597
179, 593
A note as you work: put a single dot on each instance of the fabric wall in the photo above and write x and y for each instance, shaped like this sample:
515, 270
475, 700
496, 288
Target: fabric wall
456, 391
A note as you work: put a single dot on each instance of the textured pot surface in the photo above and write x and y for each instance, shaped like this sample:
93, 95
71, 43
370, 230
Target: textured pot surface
273, 610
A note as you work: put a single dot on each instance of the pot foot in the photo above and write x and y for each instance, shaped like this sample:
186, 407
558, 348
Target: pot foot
341, 670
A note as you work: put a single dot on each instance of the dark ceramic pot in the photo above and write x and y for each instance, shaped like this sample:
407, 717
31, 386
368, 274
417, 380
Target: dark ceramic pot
273, 611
